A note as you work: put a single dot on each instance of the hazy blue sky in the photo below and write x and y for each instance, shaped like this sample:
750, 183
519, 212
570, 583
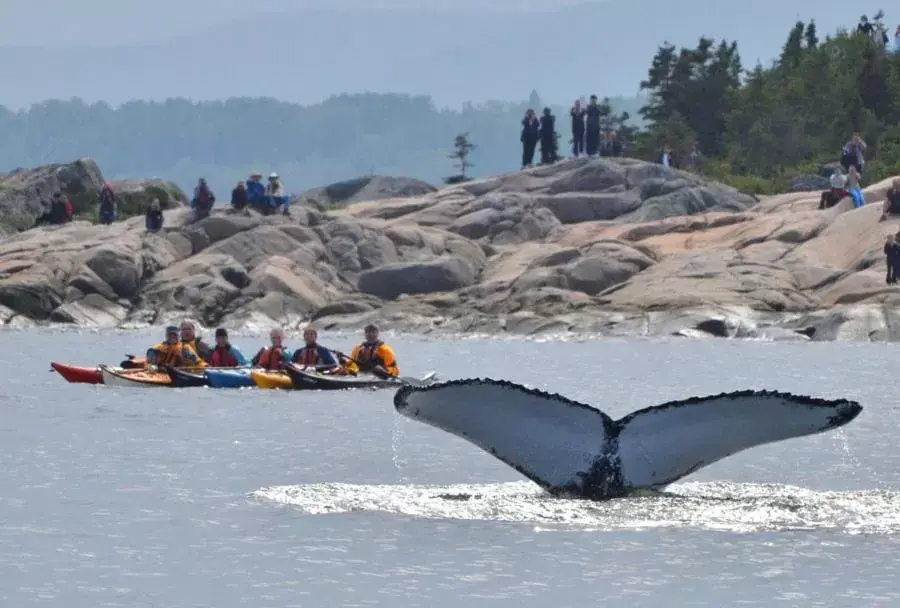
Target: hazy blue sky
219, 48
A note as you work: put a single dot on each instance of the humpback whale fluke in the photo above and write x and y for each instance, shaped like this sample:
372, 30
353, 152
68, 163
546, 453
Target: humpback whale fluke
572, 449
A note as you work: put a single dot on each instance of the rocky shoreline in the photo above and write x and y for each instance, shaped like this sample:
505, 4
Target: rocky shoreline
602, 247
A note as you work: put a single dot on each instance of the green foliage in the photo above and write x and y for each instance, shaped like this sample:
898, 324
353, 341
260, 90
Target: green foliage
758, 129
462, 148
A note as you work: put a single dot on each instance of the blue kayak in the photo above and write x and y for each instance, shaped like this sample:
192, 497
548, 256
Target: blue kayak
229, 378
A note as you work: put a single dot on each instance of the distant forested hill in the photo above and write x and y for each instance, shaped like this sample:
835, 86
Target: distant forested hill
345, 136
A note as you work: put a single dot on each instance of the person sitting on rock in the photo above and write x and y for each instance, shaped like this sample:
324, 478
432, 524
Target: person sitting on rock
60, 211
108, 205
256, 190
372, 356
239, 198
892, 257
275, 195
154, 218
891, 205
226, 354
854, 188
172, 352
190, 338
314, 354
276, 356
203, 200
837, 192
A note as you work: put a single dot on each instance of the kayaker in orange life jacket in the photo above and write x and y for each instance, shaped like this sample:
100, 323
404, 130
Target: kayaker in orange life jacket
313, 354
273, 357
190, 338
371, 354
172, 352
226, 354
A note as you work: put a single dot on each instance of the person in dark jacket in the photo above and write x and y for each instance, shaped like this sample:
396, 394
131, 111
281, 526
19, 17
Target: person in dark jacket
154, 219
892, 256
592, 128
108, 204
531, 133
548, 138
239, 198
577, 114
203, 200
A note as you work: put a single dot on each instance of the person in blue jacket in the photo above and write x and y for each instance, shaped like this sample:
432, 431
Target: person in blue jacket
256, 190
314, 354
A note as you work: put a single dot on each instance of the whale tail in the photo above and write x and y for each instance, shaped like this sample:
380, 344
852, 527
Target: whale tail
570, 448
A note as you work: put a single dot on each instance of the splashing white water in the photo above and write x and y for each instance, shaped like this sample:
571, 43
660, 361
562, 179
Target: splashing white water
742, 508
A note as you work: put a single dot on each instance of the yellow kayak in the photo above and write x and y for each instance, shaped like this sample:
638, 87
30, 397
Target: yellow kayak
271, 379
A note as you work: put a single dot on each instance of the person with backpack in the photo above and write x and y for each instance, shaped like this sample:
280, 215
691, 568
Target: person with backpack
108, 205
203, 200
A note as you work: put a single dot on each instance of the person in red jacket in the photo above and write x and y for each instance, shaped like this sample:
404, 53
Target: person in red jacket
226, 354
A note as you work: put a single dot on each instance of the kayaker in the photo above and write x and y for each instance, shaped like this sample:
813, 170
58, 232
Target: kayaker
275, 356
226, 354
190, 338
371, 354
172, 352
313, 354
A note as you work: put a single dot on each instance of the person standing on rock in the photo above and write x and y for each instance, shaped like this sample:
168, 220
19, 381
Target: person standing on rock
108, 205
548, 138
203, 200
531, 133
191, 339
892, 257
577, 114
313, 354
592, 127
274, 357
853, 154
154, 218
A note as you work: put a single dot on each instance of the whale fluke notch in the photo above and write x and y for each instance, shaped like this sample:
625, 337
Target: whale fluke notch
573, 449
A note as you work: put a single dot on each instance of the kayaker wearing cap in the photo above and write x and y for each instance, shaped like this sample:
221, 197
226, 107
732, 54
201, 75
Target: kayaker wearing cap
172, 352
226, 354
191, 339
372, 354
275, 356
313, 354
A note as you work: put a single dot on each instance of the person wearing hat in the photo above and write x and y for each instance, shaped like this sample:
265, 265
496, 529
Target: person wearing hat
256, 190
372, 355
275, 195
171, 352
226, 354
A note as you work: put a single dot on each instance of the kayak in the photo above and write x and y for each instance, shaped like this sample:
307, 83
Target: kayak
229, 378
271, 379
134, 377
308, 379
78, 374
184, 378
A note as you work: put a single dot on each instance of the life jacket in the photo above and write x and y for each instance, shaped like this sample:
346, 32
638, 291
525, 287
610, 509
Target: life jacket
309, 355
271, 358
169, 354
368, 356
222, 357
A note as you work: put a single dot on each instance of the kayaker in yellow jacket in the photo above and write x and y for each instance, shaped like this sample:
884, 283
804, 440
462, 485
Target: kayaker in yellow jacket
172, 352
190, 338
371, 355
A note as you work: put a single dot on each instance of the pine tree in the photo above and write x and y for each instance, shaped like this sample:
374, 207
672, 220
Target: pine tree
462, 147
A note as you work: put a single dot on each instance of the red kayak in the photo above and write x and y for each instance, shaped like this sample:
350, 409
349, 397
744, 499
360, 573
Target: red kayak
78, 374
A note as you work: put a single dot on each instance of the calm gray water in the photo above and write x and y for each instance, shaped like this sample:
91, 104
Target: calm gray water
204, 498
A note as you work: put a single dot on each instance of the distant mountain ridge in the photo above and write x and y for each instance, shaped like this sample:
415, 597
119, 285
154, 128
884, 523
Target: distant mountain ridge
602, 48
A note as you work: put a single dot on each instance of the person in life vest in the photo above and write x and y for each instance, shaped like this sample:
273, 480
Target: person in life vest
108, 205
226, 354
371, 355
190, 338
273, 357
203, 200
172, 352
313, 354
